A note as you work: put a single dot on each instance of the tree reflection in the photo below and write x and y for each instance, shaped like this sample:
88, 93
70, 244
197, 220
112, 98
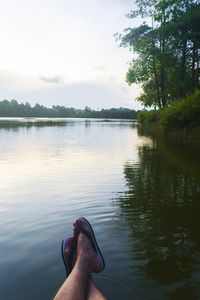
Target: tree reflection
162, 206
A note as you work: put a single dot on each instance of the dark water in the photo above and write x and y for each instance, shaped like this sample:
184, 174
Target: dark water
141, 195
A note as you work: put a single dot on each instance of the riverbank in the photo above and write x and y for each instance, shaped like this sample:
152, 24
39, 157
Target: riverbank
181, 118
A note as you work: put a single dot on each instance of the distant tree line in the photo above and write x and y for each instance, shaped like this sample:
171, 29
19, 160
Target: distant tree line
14, 109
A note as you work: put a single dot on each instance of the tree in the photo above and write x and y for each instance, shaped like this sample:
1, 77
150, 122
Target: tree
14, 109
167, 61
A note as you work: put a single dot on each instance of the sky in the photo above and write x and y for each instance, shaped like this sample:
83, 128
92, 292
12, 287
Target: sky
63, 52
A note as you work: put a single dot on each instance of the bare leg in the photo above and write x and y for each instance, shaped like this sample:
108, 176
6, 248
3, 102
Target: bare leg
79, 284
93, 292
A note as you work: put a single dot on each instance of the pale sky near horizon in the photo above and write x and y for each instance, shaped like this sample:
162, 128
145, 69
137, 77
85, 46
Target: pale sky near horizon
61, 52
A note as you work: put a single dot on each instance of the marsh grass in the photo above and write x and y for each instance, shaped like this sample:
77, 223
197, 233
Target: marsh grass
181, 118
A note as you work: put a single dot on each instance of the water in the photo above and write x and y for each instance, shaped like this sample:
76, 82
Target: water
141, 195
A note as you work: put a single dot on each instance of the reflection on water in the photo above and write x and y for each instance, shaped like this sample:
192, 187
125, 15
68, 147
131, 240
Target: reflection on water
15, 123
141, 194
162, 208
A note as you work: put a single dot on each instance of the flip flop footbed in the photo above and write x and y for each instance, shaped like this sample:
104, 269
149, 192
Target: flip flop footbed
90, 234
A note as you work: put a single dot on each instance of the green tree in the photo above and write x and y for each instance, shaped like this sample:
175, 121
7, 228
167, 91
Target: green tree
14, 109
167, 50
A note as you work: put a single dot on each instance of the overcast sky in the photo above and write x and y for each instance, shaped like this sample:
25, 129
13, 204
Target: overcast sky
63, 52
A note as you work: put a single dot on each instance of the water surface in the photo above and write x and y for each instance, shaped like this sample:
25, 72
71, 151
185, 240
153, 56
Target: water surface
141, 194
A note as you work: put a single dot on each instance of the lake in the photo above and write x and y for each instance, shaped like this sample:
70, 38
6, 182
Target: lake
140, 193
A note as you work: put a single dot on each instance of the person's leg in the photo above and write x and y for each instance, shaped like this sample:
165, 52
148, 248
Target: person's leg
77, 283
93, 292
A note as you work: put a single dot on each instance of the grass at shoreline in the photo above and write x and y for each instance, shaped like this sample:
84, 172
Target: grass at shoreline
180, 118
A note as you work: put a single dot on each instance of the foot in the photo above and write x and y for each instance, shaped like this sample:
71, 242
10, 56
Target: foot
85, 251
70, 252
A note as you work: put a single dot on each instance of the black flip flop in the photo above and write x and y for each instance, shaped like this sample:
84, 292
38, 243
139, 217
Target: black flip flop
91, 236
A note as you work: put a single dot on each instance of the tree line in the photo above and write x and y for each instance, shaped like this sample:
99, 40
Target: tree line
166, 48
14, 109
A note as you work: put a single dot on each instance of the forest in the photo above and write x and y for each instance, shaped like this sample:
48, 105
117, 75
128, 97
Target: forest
14, 109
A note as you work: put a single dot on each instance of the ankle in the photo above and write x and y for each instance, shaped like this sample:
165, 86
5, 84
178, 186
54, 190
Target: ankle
84, 263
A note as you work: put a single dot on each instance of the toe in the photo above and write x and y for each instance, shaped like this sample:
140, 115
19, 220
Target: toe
80, 223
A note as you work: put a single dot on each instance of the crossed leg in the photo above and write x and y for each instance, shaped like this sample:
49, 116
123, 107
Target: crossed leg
93, 292
79, 284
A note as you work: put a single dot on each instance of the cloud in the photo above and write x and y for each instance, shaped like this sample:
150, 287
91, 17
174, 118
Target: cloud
100, 68
53, 79
112, 78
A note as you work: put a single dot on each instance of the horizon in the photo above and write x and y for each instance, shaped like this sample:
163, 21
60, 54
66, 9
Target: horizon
76, 108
